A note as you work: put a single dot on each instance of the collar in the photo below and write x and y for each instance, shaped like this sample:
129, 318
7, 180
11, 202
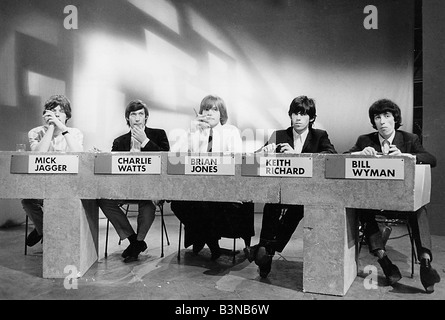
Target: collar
303, 135
390, 139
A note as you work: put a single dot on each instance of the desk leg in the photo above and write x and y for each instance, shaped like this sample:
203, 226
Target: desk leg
329, 239
70, 236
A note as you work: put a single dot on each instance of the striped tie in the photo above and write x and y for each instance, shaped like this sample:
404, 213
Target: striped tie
209, 145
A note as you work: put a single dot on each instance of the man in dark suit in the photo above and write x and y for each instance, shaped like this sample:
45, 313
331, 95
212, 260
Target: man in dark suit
280, 221
385, 117
139, 138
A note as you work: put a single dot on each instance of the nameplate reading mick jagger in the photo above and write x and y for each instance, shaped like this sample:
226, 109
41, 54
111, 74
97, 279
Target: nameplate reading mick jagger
53, 164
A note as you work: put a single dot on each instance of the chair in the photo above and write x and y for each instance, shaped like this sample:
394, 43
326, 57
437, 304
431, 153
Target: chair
386, 221
125, 207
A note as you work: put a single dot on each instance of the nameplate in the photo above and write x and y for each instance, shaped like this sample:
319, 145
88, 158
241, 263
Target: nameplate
45, 164
365, 168
208, 165
127, 164
277, 166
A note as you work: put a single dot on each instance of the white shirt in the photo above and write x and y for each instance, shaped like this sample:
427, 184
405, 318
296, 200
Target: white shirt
57, 143
299, 140
226, 138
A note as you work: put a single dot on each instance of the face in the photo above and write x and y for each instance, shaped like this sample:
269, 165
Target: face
213, 116
59, 113
385, 124
137, 118
299, 122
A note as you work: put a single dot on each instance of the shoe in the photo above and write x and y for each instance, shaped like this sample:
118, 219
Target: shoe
428, 275
251, 252
33, 238
263, 260
197, 246
138, 247
214, 249
126, 252
390, 270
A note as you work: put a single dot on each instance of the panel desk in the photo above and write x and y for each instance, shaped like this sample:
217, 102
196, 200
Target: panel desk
322, 186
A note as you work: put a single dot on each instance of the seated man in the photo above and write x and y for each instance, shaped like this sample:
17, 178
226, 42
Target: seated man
53, 136
385, 117
279, 220
139, 138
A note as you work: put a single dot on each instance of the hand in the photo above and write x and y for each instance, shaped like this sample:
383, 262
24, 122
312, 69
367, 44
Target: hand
138, 133
269, 148
285, 148
51, 119
369, 151
200, 123
394, 151
95, 150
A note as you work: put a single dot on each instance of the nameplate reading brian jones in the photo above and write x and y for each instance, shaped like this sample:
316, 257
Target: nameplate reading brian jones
53, 164
210, 165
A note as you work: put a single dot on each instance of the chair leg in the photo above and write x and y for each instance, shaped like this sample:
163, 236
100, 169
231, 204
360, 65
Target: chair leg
106, 239
26, 234
413, 253
179, 242
234, 249
162, 230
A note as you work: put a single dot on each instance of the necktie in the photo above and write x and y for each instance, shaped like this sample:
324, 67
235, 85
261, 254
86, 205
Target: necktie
210, 143
298, 144
385, 147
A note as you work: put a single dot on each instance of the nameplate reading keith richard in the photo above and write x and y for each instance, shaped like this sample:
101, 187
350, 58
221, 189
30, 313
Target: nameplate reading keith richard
286, 167
50, 164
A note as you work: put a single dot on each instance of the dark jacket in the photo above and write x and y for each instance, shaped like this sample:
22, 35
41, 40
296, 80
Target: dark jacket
158, 141
406, 142
317, 140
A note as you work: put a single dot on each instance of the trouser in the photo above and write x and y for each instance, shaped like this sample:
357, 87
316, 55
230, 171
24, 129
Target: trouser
418, 222
200, 219
34, 210
278, 224
145, 218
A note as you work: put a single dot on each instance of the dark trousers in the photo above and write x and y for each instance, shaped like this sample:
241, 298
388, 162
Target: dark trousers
278, 225
207, 222
418, 221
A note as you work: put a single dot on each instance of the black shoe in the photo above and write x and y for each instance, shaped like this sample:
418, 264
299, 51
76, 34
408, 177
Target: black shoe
263, 260
138, 247
390, 270
214, 249
33, 238
251, 252
197, 246
126, 252
428, 275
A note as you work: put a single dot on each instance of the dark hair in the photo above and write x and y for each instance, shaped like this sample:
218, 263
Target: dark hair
209, 102
383, 106
303, 105
135, 105
58, 100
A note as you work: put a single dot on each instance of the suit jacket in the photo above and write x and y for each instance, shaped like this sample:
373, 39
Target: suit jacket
405, 141
317, 141
158, 141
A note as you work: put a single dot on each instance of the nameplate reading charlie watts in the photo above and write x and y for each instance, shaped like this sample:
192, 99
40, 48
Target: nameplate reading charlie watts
376, 169
210, 165
53, 164
286, 167
136, 164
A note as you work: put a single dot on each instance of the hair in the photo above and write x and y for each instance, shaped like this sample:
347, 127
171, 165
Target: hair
209, 102
135, 105
58, 100
383, 106
304, 106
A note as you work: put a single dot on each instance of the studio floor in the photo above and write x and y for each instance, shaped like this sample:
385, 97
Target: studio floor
195, 277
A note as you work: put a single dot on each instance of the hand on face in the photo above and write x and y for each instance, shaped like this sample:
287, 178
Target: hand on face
138, 132
51, 118
200, 123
